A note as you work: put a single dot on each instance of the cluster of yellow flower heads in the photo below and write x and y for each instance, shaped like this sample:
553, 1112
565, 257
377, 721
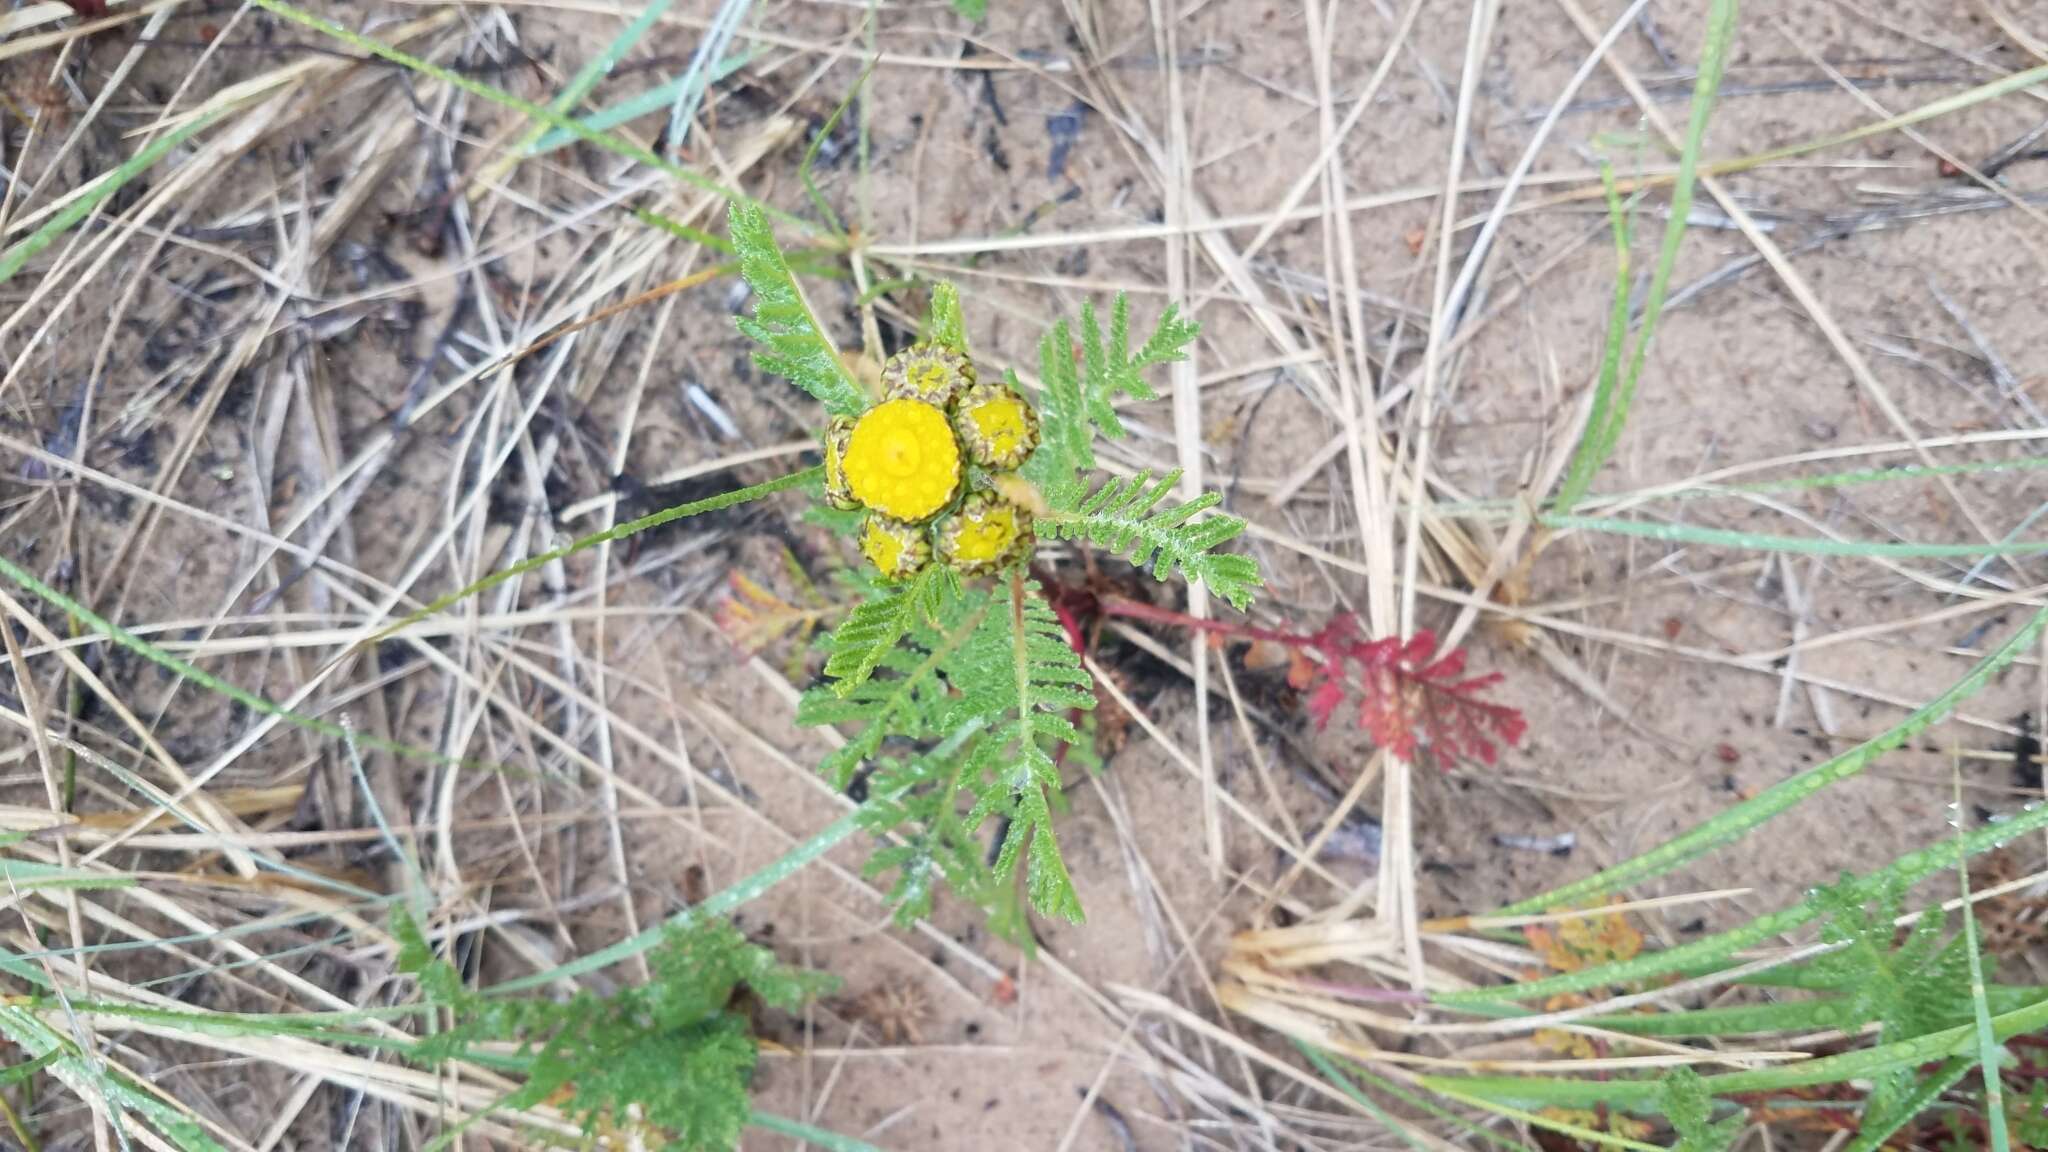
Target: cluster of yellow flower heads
906, 461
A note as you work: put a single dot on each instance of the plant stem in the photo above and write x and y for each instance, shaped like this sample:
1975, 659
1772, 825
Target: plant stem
12, 260
1229, 629
616, 532
21, 1132
718, 904
724, 901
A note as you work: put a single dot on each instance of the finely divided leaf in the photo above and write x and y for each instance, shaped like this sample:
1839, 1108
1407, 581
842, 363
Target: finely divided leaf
868, 634
1022, 670
1119, 517
1113, 372
667, 1062
792, 344
1691, 1111
1080, 399
905, 692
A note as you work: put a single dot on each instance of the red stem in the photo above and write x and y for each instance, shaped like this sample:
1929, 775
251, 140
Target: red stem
1138, 610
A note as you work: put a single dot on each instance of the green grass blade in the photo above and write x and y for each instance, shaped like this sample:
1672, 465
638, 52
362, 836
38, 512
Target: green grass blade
833, 223
586, 78
12, 260
719, 904
640, 104
1989, 1053
820, 1137
1537, 1092
1584, 463
1613, 406
1797, 545
1336, 1076
1444, 1086
617, 145
1740, 820
723, 902
1502, 511
1424, 1104
89, 1075
1808, 1015
31, 876
1906, 870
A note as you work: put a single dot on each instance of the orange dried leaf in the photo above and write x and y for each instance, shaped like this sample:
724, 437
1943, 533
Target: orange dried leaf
753, 616
1586, 941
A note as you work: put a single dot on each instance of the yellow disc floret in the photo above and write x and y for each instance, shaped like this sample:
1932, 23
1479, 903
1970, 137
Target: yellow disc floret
987, 533
897, 550
902, 460
997, 427
932, 373
838, 493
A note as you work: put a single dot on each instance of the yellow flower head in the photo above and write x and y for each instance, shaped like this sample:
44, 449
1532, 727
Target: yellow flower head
995, 424
902, 460
897, 550
987, 533
932, 373
838, 493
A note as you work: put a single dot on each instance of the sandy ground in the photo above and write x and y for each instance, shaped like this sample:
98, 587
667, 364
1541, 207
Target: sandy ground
1655, 689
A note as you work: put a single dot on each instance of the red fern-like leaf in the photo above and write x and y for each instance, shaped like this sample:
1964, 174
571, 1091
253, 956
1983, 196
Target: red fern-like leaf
1408, 703
1411, 701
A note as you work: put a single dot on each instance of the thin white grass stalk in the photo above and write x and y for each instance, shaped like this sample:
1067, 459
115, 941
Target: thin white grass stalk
1483, 244
1187, 401
1326, 162
695, 77
112, 84
1145, 1001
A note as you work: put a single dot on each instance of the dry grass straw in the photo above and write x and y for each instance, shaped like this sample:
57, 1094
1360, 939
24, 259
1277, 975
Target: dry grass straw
564, 331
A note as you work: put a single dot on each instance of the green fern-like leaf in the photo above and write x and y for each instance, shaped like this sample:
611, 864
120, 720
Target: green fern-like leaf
669, 1055
1021, 675
906, 690
792, 344
1119, 517
875, 626
2028, 1114
920, 798
972, 9
1079, 401
1909, 986
993, 662
1691, 1111
1883, 1117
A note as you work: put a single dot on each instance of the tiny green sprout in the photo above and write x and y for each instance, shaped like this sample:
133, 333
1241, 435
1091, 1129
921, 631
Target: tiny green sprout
955, 681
